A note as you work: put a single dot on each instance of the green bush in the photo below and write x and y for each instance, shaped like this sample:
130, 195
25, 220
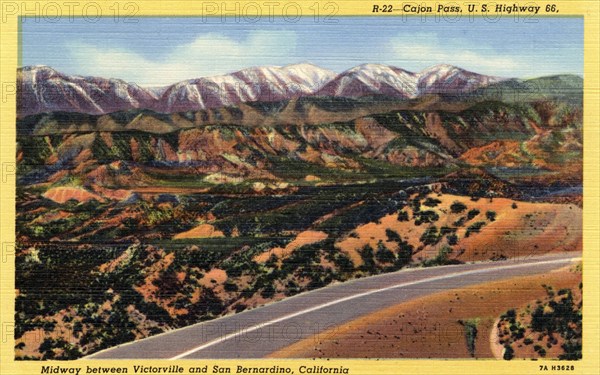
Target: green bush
367, 255
474, 228
457, 207
430, 236
452, 239
404, 256
383, 254
471, 334
509, 352
460, 222
428, 216
403, 216
268, 291
472, 213
343, 263
440, 259
446, 230
431, 202
392, 235
230, 286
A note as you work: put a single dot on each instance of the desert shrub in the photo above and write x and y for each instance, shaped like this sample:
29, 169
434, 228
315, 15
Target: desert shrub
474, 228
471, 334
514, 206
472, 213
268, 291
457, 207
58, 349
490, 215
367, 255
541, 351
428, 216
460, 222
230, 286
452, 239
560, 315
509, 352
403, 216
404, 256
440, 259
47, 348
383, 254
392, 235
305, 256
431, 202
292, 288
430, 236
446, 230
343, 263
416, 204
572, 350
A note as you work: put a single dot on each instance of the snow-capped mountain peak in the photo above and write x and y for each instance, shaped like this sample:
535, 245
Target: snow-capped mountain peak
372, 79
43, 89
445, 78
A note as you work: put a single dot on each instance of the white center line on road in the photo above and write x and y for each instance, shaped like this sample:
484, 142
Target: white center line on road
360, 295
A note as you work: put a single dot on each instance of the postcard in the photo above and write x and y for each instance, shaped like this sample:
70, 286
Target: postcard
306, 187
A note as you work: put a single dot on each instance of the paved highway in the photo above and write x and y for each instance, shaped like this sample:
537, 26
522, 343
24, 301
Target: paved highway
258, 332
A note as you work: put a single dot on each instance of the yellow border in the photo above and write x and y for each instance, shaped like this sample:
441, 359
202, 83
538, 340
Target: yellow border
590, 9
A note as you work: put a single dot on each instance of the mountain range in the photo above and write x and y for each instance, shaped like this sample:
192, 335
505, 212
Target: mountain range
43, 89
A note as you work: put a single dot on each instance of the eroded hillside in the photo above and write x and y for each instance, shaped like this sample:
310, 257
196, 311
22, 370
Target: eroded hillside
163, 220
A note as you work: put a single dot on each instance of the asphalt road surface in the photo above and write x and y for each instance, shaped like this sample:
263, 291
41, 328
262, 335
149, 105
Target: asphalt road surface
258, 332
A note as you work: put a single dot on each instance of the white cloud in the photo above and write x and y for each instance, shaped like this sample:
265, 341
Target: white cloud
209, 54
426, 49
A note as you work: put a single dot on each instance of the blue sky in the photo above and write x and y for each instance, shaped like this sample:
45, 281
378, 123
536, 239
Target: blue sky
160, 51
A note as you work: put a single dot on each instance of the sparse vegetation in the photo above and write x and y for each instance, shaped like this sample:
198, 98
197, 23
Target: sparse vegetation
440, 259
255, 189
474, 228
470, 326
559, 315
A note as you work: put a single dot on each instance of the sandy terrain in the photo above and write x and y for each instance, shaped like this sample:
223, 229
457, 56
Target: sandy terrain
528, 229
201, 231
430, 327
64, 193
304, 238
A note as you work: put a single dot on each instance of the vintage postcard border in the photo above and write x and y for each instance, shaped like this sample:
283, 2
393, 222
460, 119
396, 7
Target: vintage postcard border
9, 59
